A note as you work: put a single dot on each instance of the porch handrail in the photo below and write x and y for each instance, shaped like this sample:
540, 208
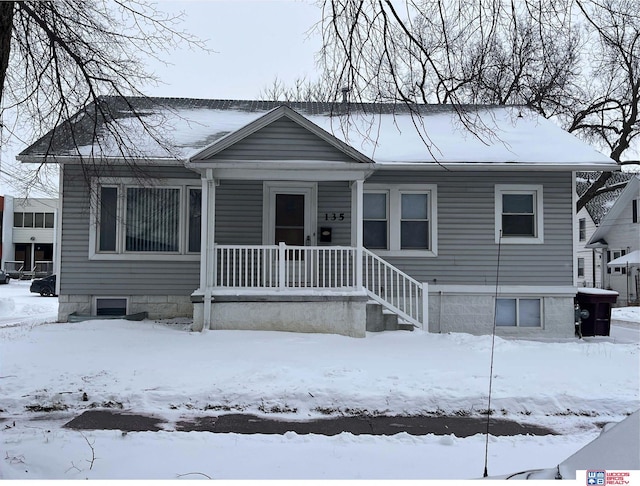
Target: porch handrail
251, 267
394, 289
285, 266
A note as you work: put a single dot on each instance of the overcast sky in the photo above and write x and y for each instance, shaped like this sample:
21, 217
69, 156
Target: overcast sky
254, 41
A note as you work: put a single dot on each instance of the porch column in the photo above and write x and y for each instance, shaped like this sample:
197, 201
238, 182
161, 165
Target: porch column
207, 243
356, 226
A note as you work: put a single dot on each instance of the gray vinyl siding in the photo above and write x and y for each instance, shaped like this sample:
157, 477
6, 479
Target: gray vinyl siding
467, 252
282, 140
239, 213
335, 198
81, 276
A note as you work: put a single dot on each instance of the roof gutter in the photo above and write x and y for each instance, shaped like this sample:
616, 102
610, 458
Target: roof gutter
501, 166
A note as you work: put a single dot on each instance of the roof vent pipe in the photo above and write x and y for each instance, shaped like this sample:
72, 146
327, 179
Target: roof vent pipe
345, 94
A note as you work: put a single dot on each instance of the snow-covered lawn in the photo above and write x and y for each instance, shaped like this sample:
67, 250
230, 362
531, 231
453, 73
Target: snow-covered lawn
160, 368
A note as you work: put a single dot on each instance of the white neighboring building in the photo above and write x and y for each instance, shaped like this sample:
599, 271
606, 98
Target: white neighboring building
29, 236
617, 235
589, 260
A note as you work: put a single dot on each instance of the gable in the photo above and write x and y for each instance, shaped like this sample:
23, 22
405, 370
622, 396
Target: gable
621, 208
282, 139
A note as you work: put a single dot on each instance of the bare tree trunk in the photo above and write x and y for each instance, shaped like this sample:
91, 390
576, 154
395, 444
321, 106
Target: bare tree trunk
6, 28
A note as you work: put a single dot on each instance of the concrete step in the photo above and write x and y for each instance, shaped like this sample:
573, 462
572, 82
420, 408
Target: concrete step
375, 320
390, 320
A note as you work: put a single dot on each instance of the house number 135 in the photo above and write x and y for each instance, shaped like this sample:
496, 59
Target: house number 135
334, 216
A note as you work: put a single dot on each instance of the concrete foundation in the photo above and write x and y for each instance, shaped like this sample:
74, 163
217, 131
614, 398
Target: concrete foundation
470, 309
343, 314
156, 306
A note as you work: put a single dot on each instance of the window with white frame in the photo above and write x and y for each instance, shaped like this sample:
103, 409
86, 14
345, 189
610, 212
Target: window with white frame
400, 218
137, 220
33, 220
518, 312
580, 267
635, 208
582, 229
518, 213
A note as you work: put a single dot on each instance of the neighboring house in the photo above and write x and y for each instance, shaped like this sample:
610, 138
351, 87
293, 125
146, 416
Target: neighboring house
28, 236
617, 235
589, 260
294, 217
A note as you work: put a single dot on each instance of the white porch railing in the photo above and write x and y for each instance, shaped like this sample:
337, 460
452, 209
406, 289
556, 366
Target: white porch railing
394, 289
320, 267
283, 266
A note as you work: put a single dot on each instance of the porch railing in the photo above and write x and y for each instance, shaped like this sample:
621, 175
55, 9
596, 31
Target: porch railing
394, 289
320, 267
284, 266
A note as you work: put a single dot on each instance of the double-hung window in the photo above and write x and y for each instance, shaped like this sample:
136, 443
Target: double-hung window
145, 222
519, 215
376, 220
400, 219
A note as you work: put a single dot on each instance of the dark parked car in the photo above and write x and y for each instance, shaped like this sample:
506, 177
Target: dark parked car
44, 286
4, 277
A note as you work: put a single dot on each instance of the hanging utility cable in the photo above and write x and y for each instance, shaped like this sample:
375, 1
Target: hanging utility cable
493, 342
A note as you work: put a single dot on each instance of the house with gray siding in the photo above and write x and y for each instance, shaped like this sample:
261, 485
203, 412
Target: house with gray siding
318, 217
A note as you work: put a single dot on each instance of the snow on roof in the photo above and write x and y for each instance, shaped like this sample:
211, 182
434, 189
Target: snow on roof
385, 133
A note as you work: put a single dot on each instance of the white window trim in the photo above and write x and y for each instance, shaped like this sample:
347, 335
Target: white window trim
122, 183
517, 299
394, 215
537, 191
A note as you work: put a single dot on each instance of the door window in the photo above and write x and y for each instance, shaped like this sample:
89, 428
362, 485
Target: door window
289, 227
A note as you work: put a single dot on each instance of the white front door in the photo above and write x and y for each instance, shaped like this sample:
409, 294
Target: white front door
290, 218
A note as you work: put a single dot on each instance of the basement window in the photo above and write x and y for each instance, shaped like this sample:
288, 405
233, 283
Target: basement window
518, 312
111, 307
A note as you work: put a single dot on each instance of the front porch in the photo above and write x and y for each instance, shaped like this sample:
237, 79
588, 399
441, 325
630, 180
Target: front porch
304, 289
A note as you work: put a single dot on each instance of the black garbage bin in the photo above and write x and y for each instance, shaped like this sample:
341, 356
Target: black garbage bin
598, 302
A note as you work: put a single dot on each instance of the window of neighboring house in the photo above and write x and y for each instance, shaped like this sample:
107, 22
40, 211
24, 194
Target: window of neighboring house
582, 229
518, 312
147, 220
518, 213
27, 220
400, 218
635, 206
580, 267
33, 220
612, 255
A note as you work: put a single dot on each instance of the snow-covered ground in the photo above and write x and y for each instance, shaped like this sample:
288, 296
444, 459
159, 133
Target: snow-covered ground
160, 368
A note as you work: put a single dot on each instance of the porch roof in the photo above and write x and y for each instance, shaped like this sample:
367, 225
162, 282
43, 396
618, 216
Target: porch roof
388, 134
